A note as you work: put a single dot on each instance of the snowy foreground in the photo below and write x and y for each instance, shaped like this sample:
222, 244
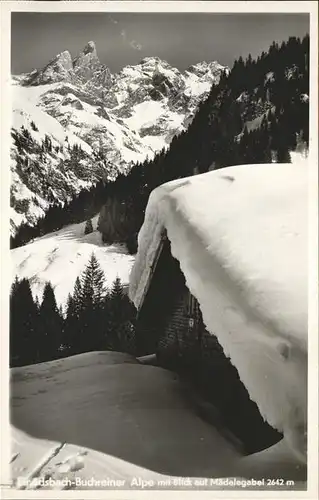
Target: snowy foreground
61, 256
106, 421
240, 236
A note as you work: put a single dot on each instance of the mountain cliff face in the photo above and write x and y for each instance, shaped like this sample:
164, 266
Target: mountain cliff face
74, 123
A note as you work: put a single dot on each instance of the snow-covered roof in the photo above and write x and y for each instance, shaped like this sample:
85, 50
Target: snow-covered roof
240, 236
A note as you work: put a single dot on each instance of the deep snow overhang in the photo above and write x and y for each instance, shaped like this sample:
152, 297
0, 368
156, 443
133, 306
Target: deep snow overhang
240, 236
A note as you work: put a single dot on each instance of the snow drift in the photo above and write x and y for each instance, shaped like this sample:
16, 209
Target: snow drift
240, 236
132, 420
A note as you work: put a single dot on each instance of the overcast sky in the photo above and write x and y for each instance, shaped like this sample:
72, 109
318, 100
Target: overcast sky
181, 39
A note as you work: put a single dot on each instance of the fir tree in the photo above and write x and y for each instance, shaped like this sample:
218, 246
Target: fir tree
50, 325
34, 127
70, 328
121, 324
85, 327
77, 298
88, 227
72, 324
92, 283
283, 155
24, 333
117, 290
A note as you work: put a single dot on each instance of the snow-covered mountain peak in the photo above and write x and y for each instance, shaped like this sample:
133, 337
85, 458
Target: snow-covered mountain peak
153, 62
63, 68
56, 70
117, 119
204, 66
205, 70
87, 62
201, 76
64, 59
147, 67
89, 48
149, 59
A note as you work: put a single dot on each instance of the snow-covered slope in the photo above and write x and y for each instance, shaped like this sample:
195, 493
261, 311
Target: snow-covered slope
39, 172
105, 417
240, 235
135, 415
61, 256
117, 120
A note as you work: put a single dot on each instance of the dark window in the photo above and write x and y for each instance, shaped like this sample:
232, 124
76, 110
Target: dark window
193, 312
191, 306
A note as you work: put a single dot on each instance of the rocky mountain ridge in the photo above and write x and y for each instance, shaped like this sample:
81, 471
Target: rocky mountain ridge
74, 123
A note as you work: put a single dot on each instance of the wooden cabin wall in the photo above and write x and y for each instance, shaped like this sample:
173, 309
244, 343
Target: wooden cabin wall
170, 322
